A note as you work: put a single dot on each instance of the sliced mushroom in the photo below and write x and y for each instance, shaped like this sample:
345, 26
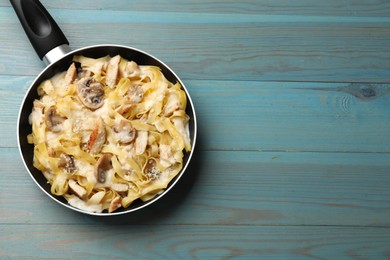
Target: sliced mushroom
67, 161
112, 71
115, 204
120, 187
102, 166
97, 138
150, 170
70, 74
140, 142
90, 92
77, 189
53, 120
124, 132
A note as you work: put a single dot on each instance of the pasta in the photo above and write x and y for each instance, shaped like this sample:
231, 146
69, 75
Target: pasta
107, 132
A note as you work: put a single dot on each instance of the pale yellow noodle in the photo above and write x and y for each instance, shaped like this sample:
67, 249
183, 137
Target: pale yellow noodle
148, 112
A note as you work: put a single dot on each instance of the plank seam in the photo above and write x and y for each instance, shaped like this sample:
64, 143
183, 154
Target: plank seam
197, 224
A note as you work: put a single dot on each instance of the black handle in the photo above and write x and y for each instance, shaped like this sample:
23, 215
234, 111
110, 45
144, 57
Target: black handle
40, 27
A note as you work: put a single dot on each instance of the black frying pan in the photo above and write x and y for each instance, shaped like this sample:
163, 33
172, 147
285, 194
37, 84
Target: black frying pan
53, 48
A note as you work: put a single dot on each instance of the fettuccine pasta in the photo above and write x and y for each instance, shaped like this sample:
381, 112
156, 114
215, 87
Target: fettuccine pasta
107, 132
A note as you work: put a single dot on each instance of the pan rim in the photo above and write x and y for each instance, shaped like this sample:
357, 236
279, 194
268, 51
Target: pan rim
170, 185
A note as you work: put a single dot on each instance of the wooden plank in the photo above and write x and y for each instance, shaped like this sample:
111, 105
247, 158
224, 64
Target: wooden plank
234, 188
156, 241
12, 91
126, 16
224, 47
298, 7
284, 116
292, 159
293, 116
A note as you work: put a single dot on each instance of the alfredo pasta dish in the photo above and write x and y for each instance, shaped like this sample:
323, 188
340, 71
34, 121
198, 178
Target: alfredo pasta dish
107, 132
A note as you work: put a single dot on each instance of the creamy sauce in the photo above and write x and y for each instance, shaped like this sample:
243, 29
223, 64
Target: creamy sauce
80, 204
86, 130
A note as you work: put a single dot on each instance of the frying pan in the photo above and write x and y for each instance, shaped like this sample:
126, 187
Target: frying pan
53, 48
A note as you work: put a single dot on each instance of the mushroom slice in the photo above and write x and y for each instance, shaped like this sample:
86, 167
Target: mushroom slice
124, 132
112, 71
97, 137
53, 120
120, 187
102, 166
90, 92
151, 170
140, 142
70, 75
67, 161
115, 204
77, 189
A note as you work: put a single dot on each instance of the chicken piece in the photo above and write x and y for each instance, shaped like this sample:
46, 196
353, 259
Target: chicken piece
97, 137
173, 104
132, 69
166, 155
140, 142
182, 128
77, 189
70, 74
112, 71
120, 187
135, 94
83, 73
115, 204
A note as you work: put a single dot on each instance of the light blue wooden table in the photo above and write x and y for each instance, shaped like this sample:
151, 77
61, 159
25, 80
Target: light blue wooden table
293, 155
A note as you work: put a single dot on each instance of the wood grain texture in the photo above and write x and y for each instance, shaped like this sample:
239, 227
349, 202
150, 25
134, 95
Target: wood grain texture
273, 116
237, 188
293, 152
302, 7
224, 47
156, 241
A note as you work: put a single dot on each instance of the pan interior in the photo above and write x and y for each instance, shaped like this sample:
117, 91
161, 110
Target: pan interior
24, 128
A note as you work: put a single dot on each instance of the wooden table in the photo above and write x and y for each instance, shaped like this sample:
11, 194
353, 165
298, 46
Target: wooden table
293, 151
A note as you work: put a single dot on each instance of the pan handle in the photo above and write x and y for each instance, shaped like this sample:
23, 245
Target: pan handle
43, 32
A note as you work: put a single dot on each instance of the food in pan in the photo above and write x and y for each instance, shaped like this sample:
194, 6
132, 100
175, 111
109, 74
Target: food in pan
107, 132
